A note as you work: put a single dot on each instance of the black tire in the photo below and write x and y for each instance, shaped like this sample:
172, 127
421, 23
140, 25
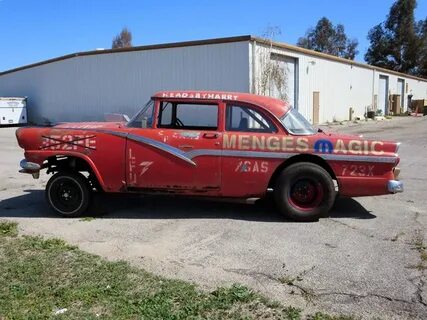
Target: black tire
304, 191
68, 194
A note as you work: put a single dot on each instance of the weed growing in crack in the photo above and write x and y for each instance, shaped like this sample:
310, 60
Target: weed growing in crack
288, 280
419, 245
307, 294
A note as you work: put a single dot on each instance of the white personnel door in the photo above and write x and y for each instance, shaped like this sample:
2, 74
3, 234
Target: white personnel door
383, 94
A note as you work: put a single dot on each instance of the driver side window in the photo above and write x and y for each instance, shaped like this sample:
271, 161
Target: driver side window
191, 116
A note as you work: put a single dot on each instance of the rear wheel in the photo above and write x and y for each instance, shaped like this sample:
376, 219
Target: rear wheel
68, 194
304, 192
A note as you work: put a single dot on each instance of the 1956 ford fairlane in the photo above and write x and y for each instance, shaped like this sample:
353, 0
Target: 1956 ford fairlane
211, 144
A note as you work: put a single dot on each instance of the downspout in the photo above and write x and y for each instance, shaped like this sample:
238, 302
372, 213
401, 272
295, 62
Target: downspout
253, 64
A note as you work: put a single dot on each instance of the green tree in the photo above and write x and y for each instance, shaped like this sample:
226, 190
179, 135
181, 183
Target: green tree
122, 40
398, 43
327, 38
422, 59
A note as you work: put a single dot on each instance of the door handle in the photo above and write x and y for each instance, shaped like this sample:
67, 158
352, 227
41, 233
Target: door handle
185, 146
210, 135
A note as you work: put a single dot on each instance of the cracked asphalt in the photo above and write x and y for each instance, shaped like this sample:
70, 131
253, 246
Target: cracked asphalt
366, 259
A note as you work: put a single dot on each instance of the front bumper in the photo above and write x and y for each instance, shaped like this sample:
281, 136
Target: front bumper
395, 186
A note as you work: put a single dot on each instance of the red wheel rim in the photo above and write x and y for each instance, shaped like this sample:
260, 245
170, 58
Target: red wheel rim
305, 194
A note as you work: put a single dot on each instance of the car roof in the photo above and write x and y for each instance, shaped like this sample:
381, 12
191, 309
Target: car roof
275, 106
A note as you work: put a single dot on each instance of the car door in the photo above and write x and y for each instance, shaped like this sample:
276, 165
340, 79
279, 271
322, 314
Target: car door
181, 153
249, 138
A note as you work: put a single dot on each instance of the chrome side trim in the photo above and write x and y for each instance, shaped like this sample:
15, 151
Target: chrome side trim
394, 186
284, 155
258, 154
151, 142
344, 157
162, 146
114, 133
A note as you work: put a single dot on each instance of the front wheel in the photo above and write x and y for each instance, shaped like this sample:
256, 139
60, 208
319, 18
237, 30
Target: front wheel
304, 192
68, 194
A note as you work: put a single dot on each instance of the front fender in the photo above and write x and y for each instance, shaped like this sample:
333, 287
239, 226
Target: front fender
40, 157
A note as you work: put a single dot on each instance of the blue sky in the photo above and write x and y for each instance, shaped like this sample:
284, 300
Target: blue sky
35, 30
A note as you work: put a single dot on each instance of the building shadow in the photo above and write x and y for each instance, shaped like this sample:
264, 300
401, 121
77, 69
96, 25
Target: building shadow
32, 204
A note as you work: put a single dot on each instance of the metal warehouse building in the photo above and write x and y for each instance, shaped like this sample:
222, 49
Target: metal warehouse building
85, 85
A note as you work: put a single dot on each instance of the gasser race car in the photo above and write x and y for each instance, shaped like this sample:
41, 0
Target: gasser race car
212, 144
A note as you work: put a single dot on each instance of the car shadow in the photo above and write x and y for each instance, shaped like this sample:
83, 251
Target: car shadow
32, 204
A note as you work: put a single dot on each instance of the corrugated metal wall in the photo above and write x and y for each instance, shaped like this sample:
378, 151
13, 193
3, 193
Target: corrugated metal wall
85, 87
340, 85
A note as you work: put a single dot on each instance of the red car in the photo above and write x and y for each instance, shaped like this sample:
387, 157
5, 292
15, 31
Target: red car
212, 144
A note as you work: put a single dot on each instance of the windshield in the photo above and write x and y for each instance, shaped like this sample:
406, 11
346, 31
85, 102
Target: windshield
144, 118
295, 123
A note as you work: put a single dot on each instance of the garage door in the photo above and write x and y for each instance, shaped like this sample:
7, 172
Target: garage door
284, 85
383, 94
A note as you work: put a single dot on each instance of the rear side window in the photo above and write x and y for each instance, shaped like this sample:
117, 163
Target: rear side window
188, 116
246, 119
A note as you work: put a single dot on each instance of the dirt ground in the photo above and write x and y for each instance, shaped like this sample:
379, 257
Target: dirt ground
365, 259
